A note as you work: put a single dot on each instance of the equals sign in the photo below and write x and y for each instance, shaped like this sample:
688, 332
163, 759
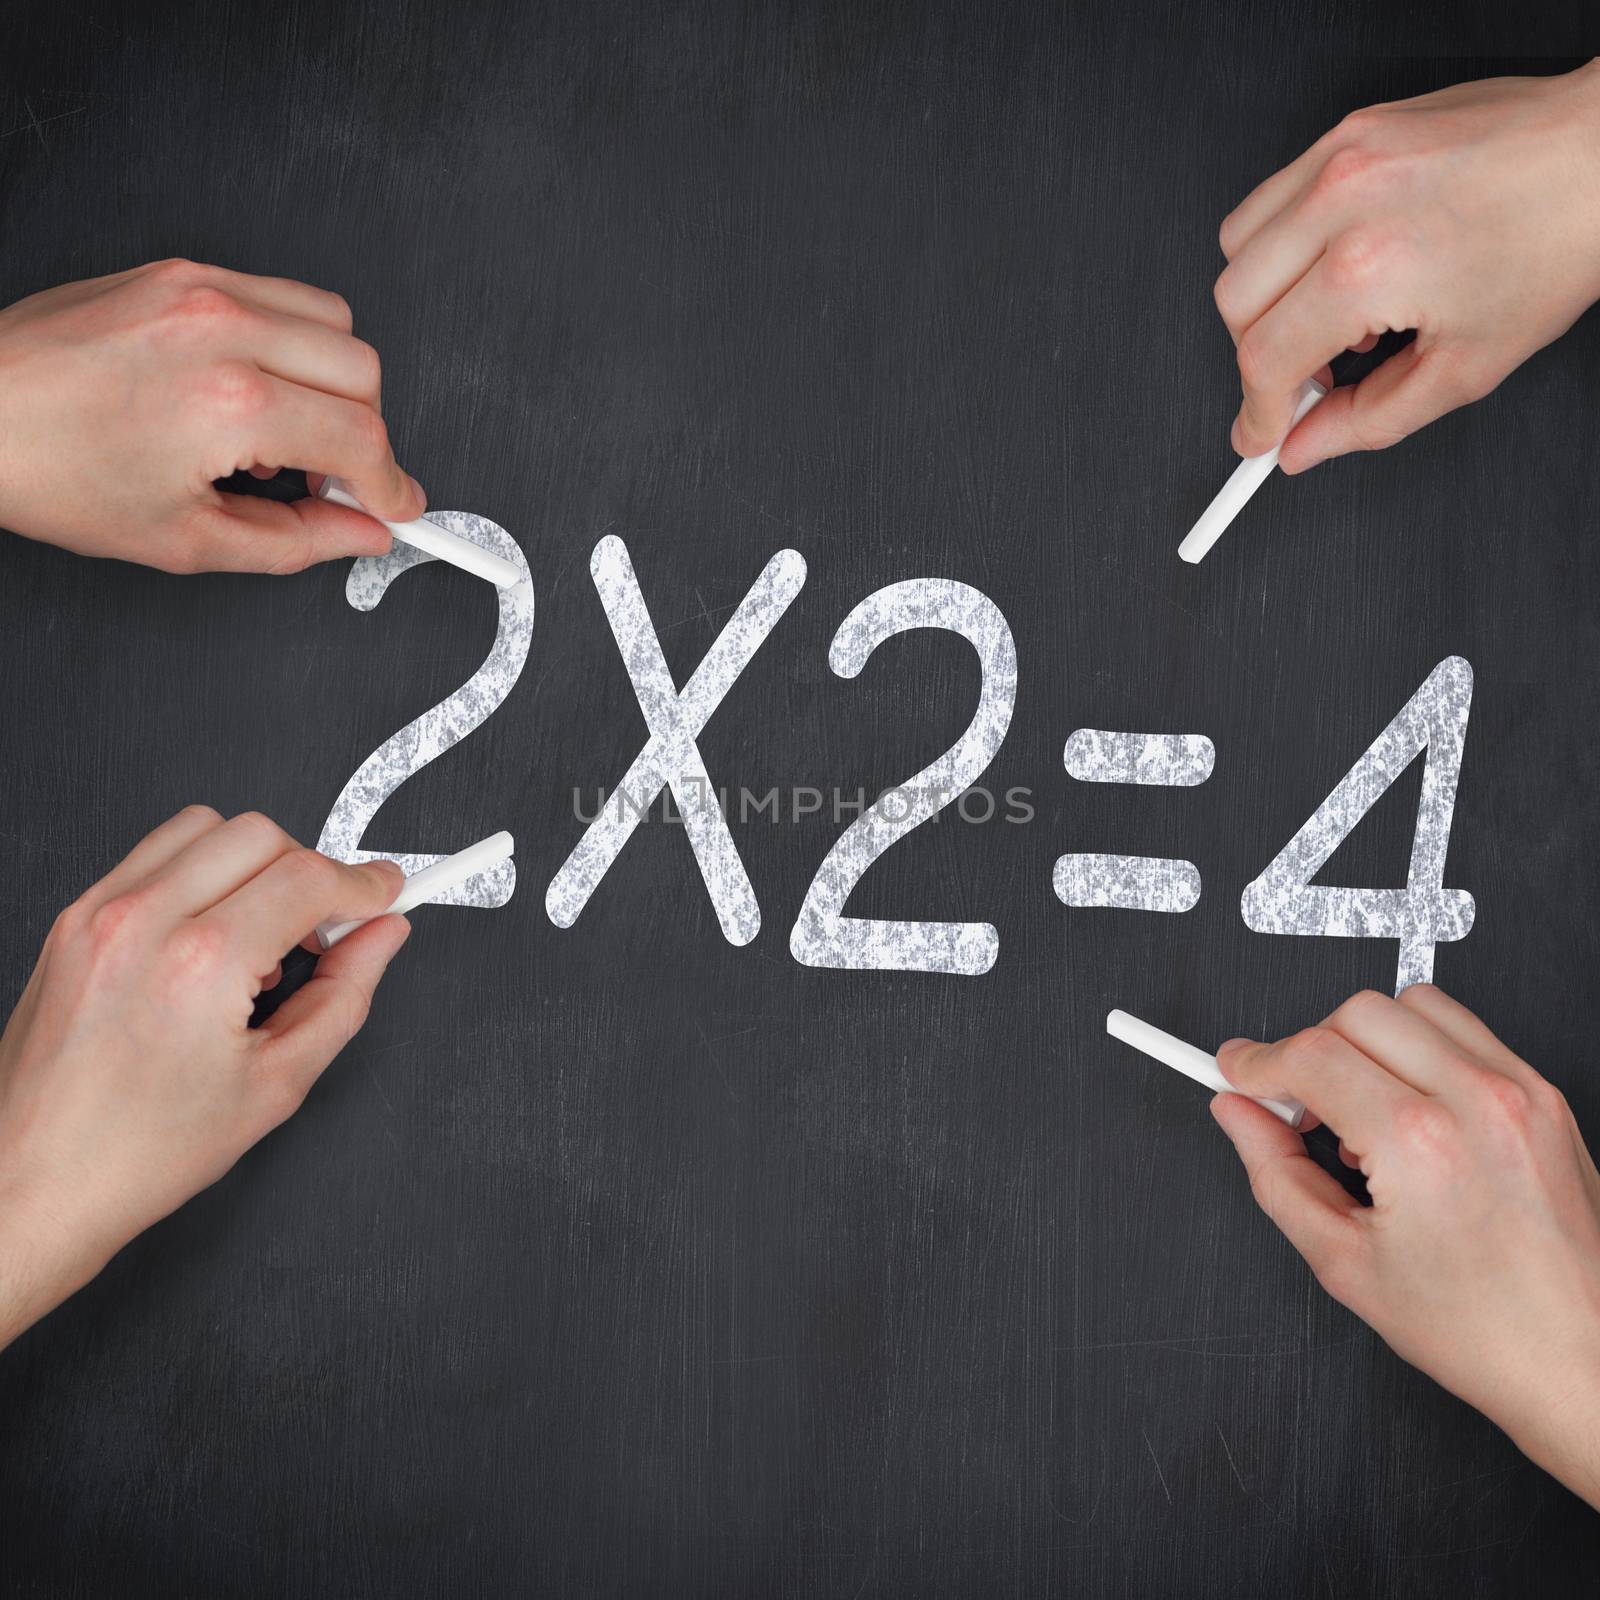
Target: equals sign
1134, 883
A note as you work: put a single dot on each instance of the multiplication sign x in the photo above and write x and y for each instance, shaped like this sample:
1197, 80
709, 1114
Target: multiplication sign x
670, 757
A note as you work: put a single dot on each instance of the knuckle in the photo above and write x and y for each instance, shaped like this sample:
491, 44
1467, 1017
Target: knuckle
260, 828
345, 1005
1370, 433
1550, 1100
1359, 258
1508, 1101
199, 301
297, 555
370, 367
1225, 294
72, 924
1423, 1127
1358, 123
371, 437
1363, 1004
355, 1005
1310, 1047
176, 271
314, 873
116, 922
315, 865
232, 389
1252, 359
196, 950
294, 550
1264, 1183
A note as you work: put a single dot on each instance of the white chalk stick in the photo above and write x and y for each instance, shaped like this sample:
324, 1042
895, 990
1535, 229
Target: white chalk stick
431, 882
430, 537
1192, 1063
1247, 477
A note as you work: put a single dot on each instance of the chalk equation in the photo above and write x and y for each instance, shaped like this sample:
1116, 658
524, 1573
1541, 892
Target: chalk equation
1282, 899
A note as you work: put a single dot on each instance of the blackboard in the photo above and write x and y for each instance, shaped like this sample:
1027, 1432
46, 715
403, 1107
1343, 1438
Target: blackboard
619, 1259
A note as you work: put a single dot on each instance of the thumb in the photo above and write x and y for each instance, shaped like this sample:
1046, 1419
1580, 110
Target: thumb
1313, 1212
1415, 386
248, 533
315, 1023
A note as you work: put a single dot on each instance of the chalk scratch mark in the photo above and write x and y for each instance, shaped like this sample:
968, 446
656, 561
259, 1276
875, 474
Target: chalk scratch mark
37, 124
711, 1056
1232, 1466
1157, 1465
388, 1104
704, 614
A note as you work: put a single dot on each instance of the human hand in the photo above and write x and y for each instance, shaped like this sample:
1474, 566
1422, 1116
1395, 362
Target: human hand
122, 398
1471, 215
129, 1076
1479, 1258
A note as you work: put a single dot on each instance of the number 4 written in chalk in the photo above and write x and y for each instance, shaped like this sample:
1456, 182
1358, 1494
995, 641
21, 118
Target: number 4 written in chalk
1424, 913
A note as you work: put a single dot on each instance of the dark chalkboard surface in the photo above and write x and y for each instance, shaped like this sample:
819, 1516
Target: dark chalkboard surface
618, 1259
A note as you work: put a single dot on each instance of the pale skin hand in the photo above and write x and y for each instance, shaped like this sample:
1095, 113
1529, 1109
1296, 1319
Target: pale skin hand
1471, 215
1479, 1258
123, 398
129, 1077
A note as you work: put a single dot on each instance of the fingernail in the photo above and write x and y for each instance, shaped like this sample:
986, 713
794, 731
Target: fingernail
1234, 436
421, 494
1229, 1045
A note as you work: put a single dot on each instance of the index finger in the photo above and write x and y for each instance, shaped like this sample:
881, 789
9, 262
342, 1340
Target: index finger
153, 852
288, 296
1268, 200
1291, 342
282, 904
327, 434
310, 1028
1346, 1088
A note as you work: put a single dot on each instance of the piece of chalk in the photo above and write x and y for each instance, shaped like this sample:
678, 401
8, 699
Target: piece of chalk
1192, 1063
1247, 477
430, 537
431, 882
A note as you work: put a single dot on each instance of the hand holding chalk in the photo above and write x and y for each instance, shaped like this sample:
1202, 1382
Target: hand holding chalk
1192, 1063
113, 431
1247, 477
1476, 209
435, 541
127, 1081
1478, 1259
431, 882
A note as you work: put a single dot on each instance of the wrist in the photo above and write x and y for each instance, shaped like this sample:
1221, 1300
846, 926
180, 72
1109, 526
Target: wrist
1557, 1426
8, 431
1586, 127
43, 1259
